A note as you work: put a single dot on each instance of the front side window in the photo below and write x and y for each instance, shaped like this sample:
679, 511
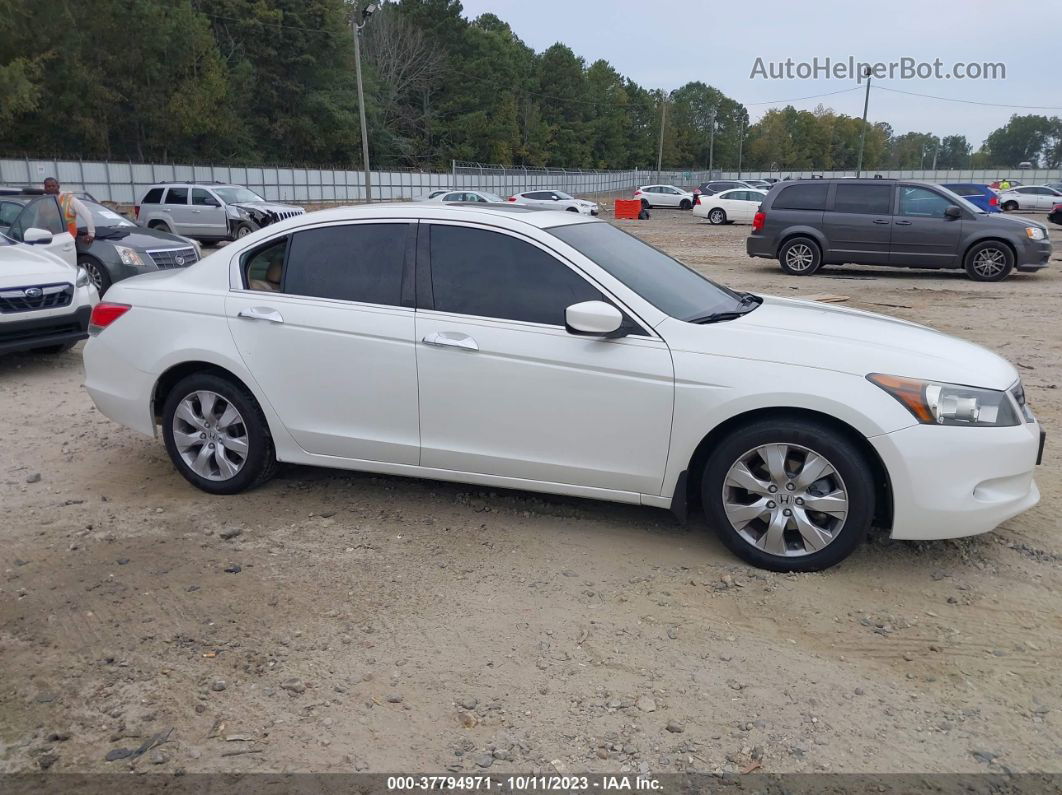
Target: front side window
353, 262
865, 199
922, 202
202, 198
40, 214
489, 274
177, 196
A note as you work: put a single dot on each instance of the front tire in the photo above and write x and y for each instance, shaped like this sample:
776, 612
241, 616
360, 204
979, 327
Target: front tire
800, 256
989, 261
97, 273
216, 435
242, 230
685, 204
788, 494
717, 216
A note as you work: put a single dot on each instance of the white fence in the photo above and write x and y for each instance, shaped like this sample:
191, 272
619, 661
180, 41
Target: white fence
984, 176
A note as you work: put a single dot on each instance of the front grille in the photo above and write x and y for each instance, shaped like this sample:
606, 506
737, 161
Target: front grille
34, 297
280, 215
168, 258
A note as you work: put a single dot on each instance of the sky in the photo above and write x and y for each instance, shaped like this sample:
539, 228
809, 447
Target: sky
667, 43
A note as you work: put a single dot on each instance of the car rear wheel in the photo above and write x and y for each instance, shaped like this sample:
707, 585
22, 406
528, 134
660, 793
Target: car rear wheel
216, 435
97, 273
989, 262
789, 495
800, 256
685, 204
1010, 206
717, 216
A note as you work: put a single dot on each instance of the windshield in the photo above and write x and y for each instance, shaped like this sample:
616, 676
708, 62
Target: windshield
666, 283
491, 197
563, 195
101, 216
237, 195
964, 203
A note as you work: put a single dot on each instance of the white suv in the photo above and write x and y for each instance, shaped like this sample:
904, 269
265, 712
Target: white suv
208, 211
554, 200
45, 299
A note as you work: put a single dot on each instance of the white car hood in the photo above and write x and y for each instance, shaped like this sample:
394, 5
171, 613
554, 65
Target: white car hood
22, 265
810, 334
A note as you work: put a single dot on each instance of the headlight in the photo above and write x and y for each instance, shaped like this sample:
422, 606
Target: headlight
232, 211
1035, 233
82, 278
129, 256
934, 403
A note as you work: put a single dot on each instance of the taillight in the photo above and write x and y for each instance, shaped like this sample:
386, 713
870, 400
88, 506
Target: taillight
136, 210
758, 221
512, 198
993, 201
103, 314
696, 198
637, 193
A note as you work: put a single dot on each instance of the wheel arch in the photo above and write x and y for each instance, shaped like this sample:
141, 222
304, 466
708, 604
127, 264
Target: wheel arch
802, 231
883, 508
169, 378
991, 239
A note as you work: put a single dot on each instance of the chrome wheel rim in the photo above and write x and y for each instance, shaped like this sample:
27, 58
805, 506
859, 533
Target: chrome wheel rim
95, 275
243, 231
785, 500
716, 217
210, 435
989, 262
799, 257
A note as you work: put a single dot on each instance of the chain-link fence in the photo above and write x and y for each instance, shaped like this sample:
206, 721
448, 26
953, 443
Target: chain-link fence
506, 180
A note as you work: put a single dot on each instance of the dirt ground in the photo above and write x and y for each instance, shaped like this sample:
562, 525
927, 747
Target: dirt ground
390, 625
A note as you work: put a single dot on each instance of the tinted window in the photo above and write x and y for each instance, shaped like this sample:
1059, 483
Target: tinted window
540, 194
662, 281
802, 197
867, 199
154, 196
358, 262
203, 198
9, 212
966, 190
177, 196
922, 202
476, 272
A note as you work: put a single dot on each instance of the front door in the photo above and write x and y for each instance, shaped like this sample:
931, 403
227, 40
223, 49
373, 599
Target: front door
506, 391
923, 236
44, 213
207, 215
325, 330
859, 227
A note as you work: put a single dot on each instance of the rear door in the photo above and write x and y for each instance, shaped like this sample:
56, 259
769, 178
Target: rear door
326, 329
44, 213
175, 210
859, 225
922, 235
207, 214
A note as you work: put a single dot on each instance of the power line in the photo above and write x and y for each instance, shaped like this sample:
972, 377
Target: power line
798, 99
967, 101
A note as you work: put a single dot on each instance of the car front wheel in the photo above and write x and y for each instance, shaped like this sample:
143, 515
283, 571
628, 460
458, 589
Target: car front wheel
989, 262
800, 256
216, 435
789, 494
97, 273
717, 216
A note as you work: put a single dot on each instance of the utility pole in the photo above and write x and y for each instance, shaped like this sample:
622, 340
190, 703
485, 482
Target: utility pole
711, 144
863, 134
660, 150
936, 151
741, 146
370, 9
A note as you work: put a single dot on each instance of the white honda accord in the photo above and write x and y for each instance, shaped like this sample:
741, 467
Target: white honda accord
547, 351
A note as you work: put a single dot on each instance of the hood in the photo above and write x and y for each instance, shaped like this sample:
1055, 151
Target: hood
268, 207
1012, 220
139, 237
585, 203
22, 265
823, 336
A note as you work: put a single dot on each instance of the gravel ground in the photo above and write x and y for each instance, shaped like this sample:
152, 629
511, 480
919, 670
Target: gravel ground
332, 621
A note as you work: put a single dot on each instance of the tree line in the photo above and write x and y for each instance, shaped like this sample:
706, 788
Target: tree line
272, 81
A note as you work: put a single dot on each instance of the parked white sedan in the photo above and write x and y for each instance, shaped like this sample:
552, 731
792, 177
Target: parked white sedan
480, 196
1030, 197
549, 352
554, 200
664, 196
730, 206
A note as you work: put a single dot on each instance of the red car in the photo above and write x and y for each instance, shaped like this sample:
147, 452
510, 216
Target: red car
1055, 216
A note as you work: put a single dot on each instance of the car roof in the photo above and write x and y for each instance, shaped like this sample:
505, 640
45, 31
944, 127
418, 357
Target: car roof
508, 214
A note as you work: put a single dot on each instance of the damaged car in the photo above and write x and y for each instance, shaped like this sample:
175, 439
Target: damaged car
209, 212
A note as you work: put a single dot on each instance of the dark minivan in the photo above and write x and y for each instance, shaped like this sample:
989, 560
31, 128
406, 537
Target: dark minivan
810, 223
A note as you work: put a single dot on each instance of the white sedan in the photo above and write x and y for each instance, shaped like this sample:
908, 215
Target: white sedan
730, 206
1030, 197
664, 196
481, 196
554, 200
550, 352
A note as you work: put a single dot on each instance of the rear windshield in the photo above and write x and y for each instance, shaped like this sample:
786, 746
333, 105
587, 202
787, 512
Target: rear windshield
811, 196
664, 282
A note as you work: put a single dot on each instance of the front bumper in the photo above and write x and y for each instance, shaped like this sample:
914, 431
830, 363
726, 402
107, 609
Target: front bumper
30, 333
950, 482
1035, 255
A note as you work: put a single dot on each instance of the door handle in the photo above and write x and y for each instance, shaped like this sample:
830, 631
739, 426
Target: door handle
261, 313
451, 340
903, 223
880, 221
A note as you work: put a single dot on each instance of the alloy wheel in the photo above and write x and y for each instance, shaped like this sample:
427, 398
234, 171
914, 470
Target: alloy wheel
210, 435
989, 262
96, 276
785, 499
799, 257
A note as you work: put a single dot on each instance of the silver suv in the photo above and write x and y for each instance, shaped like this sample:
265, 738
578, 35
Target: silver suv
208, 211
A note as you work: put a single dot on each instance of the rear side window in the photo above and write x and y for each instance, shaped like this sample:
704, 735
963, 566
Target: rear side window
356, 262
802, 197
177, 196
488, 274
866, 199
153, 196
966, 190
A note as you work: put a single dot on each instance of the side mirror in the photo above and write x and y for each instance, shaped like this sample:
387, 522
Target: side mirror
953, 213
555, 198
34, 236
593, 319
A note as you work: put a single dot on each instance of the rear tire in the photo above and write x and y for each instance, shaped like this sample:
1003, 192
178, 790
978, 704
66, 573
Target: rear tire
1009, 207
97, 273
241, 442
804, 539
717, 216
990, 261
800, 256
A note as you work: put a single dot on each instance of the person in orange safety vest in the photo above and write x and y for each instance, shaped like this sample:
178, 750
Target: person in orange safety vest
72, 209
